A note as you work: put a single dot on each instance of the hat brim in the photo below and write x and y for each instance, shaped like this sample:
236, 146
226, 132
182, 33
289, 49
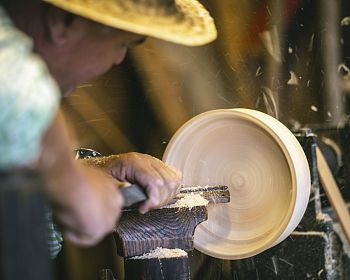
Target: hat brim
191, 25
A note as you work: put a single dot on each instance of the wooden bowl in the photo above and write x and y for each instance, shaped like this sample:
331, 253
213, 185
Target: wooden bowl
263, 165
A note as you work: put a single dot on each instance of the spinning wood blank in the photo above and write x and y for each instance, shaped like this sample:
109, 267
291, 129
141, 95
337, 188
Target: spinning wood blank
263, 165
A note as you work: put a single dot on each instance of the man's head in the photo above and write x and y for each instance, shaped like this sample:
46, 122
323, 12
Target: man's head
81, 39
77, 50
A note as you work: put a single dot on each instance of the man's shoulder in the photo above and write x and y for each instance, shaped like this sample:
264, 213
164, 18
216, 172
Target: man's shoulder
29, 96
20, 68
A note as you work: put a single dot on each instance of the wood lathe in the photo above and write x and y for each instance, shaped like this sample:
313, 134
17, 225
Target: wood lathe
155, 244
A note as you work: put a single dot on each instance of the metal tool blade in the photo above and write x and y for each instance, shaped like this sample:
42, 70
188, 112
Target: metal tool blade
212, 193
135, 194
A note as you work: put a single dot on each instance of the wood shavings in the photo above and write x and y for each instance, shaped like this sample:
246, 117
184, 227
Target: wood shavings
197, 188
99, 161
293, 79
345, 21
189, 200
162, 253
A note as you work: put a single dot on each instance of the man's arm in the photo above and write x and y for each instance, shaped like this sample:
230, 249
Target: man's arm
86, 200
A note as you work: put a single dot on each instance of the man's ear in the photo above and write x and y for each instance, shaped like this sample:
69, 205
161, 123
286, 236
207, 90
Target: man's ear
59, 25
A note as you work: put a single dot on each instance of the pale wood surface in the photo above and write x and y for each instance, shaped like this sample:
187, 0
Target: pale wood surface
263, 165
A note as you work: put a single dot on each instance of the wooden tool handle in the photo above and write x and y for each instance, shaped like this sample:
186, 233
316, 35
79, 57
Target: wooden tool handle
132, 195
334, 196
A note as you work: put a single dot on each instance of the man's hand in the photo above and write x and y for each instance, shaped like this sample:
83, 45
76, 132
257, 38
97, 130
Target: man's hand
160, 181
86, 200
92, 205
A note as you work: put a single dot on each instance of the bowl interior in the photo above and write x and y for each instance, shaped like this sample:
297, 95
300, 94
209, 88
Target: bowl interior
228, 149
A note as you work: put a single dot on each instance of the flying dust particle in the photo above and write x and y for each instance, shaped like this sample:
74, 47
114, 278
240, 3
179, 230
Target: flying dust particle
314, 108
345, 21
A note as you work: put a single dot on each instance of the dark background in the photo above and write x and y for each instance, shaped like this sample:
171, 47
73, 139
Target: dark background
271, 56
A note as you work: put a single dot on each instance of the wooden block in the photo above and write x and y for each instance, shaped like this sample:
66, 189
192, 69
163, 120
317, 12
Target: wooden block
137, 234
157, 269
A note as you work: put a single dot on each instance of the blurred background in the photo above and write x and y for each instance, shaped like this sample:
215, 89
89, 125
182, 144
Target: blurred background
288, 58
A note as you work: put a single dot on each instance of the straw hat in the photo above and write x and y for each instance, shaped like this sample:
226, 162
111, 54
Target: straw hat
184, 22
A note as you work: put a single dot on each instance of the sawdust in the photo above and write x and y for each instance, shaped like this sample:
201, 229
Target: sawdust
99, 161
162, 253
189, 201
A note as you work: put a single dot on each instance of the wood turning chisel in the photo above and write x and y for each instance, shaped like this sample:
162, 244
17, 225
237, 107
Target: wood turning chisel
135, 194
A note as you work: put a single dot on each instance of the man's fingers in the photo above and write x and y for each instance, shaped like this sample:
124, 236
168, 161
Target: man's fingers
160, 181
162, 184
170, 175
152, 202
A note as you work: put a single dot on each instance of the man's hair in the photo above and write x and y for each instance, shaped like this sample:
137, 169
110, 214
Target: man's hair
22, 7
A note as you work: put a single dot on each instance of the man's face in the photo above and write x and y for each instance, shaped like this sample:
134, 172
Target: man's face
89, 51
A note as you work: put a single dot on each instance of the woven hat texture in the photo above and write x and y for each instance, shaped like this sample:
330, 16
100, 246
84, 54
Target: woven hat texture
184, 22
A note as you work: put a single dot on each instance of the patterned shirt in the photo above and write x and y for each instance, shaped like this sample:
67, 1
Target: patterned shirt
54, 236
29, 98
